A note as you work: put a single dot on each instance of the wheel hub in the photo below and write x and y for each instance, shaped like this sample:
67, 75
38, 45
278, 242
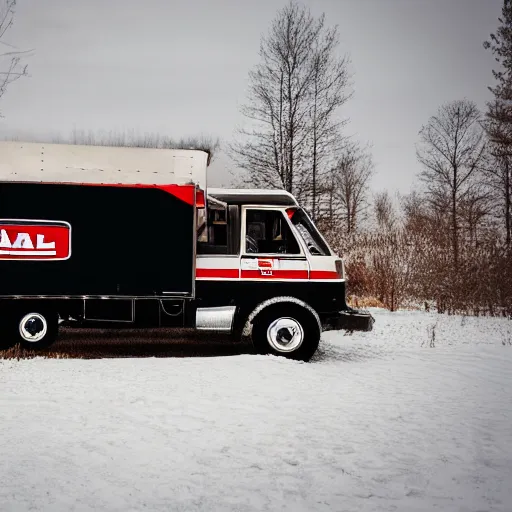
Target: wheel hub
33, 327
285, 334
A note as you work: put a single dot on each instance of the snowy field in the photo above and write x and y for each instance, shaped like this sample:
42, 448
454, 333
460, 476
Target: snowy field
379, 421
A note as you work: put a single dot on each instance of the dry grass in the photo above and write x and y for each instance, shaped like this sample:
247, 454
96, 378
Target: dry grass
364, 302
100, 344
17, 352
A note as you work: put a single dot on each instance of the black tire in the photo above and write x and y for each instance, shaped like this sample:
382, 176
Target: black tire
34, 328
275, 320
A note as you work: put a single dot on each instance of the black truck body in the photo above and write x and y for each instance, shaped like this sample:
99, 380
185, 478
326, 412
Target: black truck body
125, 241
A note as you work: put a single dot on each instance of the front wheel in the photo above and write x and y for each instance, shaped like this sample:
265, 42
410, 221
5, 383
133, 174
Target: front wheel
287, 330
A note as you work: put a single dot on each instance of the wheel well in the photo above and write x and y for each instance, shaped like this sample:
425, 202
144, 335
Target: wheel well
247, 330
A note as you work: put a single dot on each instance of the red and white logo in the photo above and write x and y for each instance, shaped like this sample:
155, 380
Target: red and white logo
34, 240
265, 267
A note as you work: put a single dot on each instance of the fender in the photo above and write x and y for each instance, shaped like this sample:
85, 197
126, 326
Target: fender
247, 330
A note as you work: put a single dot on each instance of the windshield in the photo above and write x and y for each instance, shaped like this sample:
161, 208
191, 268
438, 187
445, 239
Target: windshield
309, 234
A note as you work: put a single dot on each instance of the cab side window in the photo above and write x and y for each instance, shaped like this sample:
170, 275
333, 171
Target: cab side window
268, 232
213, 233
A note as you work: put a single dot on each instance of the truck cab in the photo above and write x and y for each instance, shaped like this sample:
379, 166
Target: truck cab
259, 251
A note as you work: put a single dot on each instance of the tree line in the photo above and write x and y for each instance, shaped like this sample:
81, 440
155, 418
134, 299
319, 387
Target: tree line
447, 245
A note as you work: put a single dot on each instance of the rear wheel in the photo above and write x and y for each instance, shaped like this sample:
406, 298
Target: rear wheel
34, 329
287, 330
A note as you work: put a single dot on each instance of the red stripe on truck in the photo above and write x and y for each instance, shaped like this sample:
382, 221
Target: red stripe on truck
229, 273
324, 274
274, 274
217, 273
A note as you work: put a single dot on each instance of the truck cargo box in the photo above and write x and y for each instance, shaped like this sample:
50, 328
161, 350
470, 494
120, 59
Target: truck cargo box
84, 221
96, 240
32, 161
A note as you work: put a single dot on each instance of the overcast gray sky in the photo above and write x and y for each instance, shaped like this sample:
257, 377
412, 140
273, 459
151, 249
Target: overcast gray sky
180, 67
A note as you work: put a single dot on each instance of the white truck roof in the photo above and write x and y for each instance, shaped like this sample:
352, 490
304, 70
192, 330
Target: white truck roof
253, 196
40, 162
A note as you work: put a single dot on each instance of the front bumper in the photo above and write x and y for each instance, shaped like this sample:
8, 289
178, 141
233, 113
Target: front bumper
349, 320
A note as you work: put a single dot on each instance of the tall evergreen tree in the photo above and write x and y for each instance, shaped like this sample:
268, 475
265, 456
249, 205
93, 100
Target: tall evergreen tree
498, 121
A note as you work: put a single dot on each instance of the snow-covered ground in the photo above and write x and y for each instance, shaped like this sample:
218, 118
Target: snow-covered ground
379, 421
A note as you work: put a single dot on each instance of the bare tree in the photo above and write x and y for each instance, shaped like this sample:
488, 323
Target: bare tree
294, 94
328, 93
346, 198
384, 211
475, 208
393, 261
451, 150
10, 59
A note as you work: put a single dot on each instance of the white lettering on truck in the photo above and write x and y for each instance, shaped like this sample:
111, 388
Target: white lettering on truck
23, 241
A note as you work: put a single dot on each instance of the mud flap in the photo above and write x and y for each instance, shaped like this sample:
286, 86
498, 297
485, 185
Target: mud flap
349, 320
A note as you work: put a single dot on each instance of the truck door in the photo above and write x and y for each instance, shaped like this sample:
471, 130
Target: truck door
270, 250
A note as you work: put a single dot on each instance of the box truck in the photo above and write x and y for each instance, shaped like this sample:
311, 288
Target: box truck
116, 236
